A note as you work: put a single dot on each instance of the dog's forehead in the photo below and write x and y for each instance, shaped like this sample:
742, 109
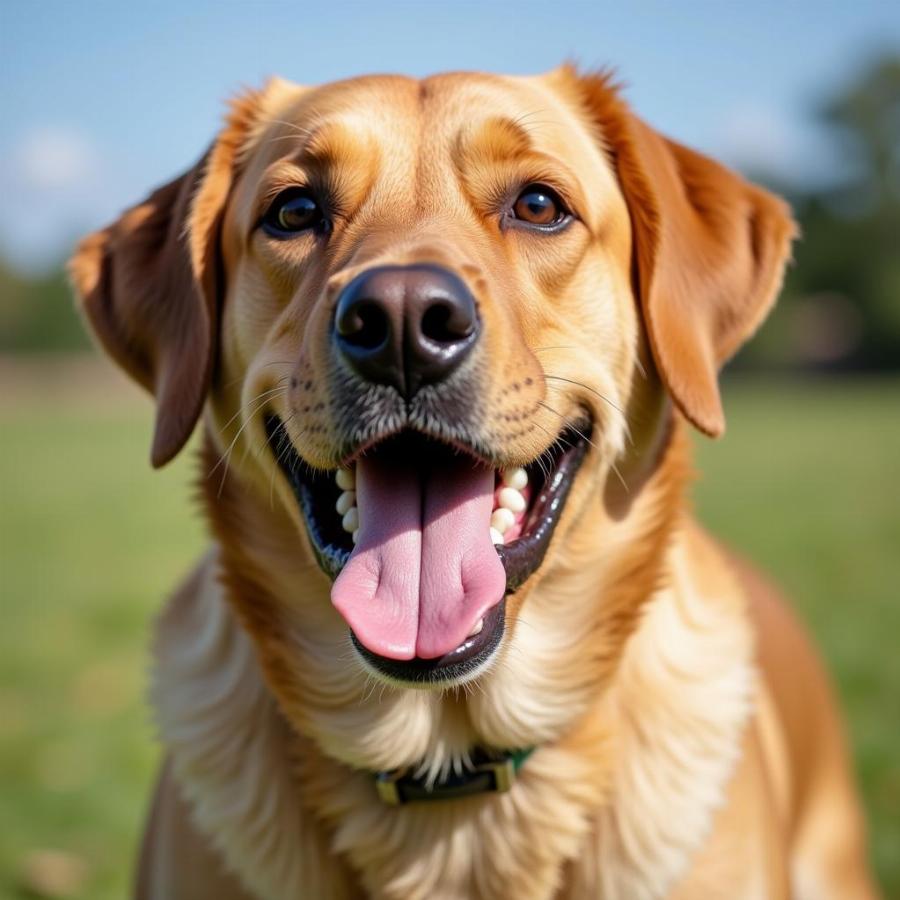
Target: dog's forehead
436, 116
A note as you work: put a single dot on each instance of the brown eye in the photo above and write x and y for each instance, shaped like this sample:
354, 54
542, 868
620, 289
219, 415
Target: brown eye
294, 211
538, 205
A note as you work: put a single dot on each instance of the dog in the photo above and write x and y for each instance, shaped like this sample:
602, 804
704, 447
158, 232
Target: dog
457, 634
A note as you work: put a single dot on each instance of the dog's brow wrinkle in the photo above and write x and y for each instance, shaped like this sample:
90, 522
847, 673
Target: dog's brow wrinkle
522, 120
498, 139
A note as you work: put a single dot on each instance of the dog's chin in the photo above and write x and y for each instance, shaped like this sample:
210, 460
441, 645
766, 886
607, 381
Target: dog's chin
527, 506
465, 663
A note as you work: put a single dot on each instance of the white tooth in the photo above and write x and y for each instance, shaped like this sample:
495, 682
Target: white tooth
355, 536
510, 498
496, 537
351, 520
503, 519
345, 501
515, 478
476, 628
346, 479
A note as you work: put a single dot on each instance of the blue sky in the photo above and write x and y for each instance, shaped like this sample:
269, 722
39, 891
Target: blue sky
100, 101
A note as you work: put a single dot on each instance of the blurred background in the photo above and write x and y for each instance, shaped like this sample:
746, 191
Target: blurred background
100, 101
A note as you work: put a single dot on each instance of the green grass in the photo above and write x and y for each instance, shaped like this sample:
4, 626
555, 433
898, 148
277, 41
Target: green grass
91, 540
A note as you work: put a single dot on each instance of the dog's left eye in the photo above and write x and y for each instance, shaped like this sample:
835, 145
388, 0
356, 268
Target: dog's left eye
293, 211
539, 205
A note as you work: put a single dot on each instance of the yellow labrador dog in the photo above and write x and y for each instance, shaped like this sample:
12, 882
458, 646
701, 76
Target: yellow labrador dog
457, 634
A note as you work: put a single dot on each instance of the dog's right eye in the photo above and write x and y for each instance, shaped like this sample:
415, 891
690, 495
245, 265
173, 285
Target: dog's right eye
293, 211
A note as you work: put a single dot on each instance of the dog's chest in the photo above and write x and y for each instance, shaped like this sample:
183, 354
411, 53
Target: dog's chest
493, 846
588, 818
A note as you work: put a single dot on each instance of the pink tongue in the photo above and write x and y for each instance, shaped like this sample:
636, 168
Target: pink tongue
424, 570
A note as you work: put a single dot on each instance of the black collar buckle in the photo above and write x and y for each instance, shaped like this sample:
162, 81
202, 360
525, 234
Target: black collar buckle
489, 776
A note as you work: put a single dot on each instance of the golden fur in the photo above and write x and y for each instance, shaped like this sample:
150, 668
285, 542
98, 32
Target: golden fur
660, 682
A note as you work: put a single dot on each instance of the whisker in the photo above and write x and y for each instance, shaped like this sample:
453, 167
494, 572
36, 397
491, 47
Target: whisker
259, 450
540, 460
277, 362
623, 421
577, 431
369, 689
612, 463
226, 456
278, 387
586, 387
268, 441
234, 440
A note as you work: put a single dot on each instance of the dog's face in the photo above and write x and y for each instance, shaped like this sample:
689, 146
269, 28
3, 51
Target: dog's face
431, 318
429, 300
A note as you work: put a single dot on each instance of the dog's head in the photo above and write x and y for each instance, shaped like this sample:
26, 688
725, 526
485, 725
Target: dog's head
438, 314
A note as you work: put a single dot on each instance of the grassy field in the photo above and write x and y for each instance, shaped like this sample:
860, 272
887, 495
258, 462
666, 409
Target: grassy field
91, 540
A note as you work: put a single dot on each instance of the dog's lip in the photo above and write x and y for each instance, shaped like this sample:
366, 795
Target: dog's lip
521, 558
456, 667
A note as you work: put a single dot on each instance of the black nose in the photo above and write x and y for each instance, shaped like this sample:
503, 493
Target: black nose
405, 325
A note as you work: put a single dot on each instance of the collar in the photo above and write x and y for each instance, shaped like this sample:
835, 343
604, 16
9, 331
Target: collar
492, 773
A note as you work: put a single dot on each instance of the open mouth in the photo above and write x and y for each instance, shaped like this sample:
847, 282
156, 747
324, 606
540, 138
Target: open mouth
424, 541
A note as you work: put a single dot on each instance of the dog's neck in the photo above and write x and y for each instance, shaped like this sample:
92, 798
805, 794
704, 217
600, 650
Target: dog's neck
292, 731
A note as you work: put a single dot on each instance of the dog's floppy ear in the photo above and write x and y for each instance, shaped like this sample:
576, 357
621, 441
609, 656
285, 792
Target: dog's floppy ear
149, 285
148, 307
710, 250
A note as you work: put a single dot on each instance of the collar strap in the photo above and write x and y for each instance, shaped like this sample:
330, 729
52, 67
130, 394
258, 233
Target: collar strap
492, 774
